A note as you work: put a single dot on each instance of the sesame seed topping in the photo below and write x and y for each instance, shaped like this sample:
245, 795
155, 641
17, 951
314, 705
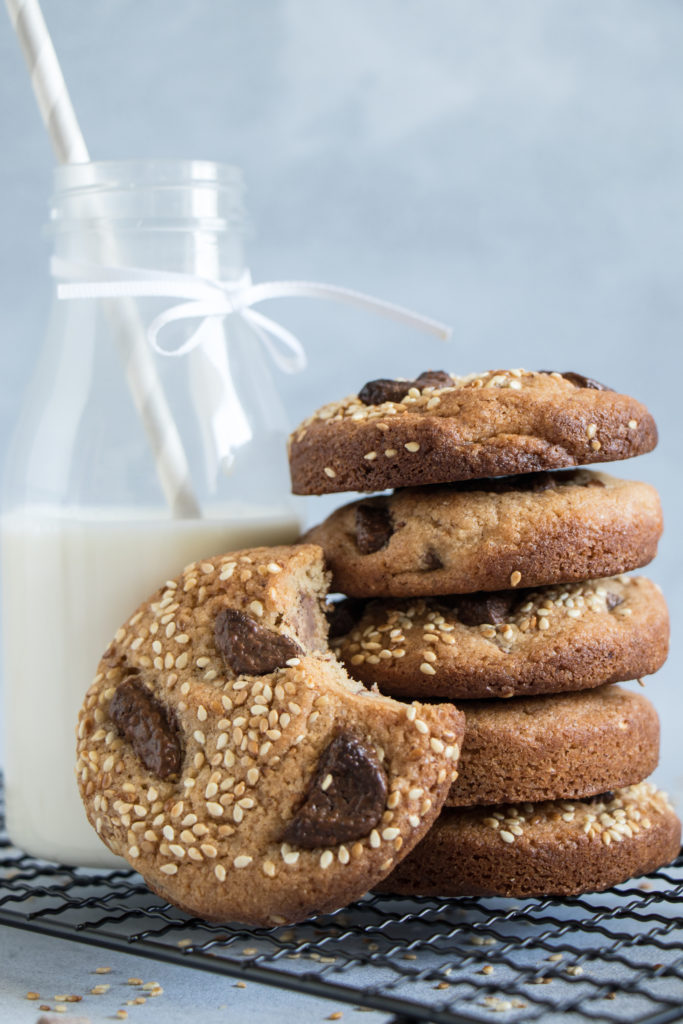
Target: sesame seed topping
412, 446
427, 669
326, 859
591, 430
326, 783
220, 872
515, 578
242, 861
390, 452
169, 869
375, 839
421, 726
390, 833
328, 471
370, 456
506, 836
436, 745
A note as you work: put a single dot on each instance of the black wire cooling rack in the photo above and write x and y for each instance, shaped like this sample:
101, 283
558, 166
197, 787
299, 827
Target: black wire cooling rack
616, 956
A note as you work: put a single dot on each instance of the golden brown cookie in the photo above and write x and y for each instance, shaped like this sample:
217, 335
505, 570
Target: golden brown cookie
558, 848
568, 746
439, 428
528, 531
227, 755
567, 637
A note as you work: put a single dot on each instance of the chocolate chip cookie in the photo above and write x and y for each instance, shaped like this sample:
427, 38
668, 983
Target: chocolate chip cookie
568, 637
440, 427
523, 531
566, 746
228, 756
557, 848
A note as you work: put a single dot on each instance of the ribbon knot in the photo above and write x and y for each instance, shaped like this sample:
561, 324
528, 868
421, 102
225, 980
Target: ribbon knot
202, 298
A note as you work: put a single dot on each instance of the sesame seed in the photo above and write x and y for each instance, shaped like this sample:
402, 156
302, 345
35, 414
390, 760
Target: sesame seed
429, 655
326, 783
412, 446
256, 607
543, 624
343, 855
632, 424
215, 810
390, 833
220, 872
436, 745
413, 820
390, 452
328, 471
427, 669
591, 430
370, 456
411, 713
375, 839
595, 445
291, 858
169, 869
515, 578
242, 861
420, 725
326, 859
506, 836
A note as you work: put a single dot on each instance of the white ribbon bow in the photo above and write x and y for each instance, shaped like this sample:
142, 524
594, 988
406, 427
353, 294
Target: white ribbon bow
205, 297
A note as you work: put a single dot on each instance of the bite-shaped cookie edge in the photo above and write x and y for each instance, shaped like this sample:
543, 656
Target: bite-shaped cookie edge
570, 746
425, 541
209, 838
490, 424
552, 640
557, 848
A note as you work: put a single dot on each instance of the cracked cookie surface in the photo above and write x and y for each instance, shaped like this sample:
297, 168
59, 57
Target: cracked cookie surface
441, 427
226, 754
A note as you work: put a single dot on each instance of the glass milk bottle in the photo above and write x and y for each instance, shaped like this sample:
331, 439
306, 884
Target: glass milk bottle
126, 464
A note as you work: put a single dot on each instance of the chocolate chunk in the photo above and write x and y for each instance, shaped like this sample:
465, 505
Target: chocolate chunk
346, 799
149, 727
477, 609
604, 798
343, 615
431, 561
613, 601
580, 381
374, 528
375, 392
249, 648
433, 379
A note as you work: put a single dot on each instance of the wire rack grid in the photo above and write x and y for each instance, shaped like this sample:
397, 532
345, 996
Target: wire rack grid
615, 956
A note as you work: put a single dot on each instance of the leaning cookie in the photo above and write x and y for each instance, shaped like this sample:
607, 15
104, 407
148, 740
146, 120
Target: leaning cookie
558, 848
568, 746
507, 643
524, 531
439, 428
226, 754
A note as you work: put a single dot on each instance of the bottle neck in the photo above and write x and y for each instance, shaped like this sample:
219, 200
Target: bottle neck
179, 216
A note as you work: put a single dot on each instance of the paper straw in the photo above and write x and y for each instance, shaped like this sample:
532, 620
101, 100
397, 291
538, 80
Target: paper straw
67, 140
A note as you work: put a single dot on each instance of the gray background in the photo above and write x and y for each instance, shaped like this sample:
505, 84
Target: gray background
515, 169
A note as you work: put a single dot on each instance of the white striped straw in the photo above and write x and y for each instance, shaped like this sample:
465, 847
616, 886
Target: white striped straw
67, 140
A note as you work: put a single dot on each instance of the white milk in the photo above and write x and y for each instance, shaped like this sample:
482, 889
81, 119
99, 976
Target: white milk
68, 584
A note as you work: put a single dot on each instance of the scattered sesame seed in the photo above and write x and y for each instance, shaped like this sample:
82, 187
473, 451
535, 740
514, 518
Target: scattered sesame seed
506, 836
370, 456
427, 669
390, 452
515, 578
412, 446
326, 859
328, 471
326, 783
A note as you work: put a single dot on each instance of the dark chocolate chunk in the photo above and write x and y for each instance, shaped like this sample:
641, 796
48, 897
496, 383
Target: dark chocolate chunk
431, 561
343, 615
604, 798
149, 727
477, 609
346, 798
580, 381
249, 648
374, 528
433, 379
375, 392
613, 601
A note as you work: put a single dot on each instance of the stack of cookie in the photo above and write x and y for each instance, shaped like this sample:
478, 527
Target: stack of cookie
492, 576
